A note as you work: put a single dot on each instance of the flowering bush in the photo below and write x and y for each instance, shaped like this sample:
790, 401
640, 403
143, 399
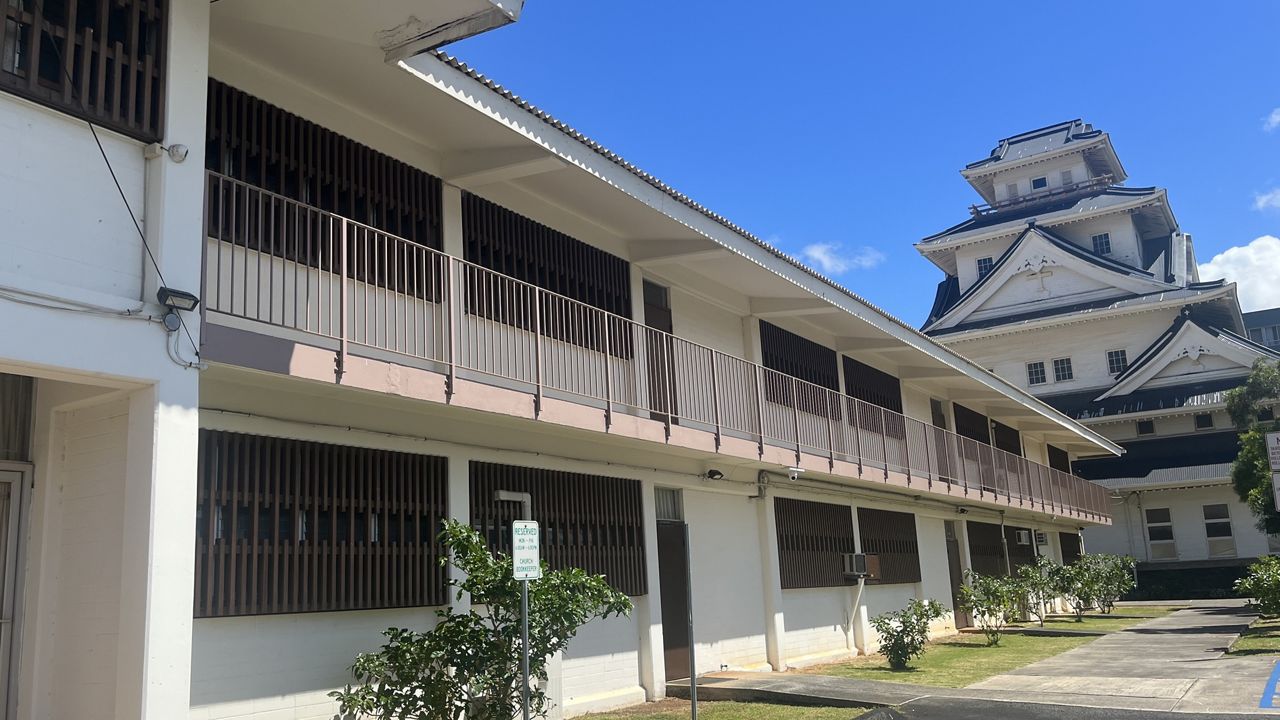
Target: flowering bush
994, 601
904, 632
1263, 585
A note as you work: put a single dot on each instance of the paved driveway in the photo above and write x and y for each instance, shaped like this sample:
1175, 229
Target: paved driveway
1170, 663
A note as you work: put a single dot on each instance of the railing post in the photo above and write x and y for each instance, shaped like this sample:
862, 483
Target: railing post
537, 351
608, 373
341, 360
857, 435
906, 446
669, 362
795, 415
964, 473
831, 433
884, 443
715, 398
451, 303
760, 407
929, 458
204, 255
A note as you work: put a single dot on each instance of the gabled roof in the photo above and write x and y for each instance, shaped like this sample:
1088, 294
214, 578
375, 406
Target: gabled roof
1019, 258
1142, 457
1037, 142
1046, 213
1085, 405
1190, 338
1192, 293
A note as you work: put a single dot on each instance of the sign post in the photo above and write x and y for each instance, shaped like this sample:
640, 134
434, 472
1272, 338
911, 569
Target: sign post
525, 566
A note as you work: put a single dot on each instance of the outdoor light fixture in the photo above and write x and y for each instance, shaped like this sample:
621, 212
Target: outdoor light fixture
793, 473
175, 300
713, 474
962, 511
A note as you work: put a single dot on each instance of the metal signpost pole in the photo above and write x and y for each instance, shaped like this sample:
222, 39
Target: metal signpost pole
524, 649
526, 565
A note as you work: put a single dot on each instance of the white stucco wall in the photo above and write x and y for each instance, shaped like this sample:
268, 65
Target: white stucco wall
819, 623
1127, 535
601, 667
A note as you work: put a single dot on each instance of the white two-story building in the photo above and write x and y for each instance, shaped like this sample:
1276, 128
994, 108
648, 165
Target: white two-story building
413, 289
1086, 294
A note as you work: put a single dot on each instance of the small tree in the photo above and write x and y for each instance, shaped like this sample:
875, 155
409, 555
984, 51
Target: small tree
1262, 585
992, 600
903, 633
1250, 473
1115, 579
1036, 586
468, 665
1077, 584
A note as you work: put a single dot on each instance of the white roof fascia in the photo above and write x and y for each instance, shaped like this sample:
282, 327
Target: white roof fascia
1001, 166
537, 127
1180, 344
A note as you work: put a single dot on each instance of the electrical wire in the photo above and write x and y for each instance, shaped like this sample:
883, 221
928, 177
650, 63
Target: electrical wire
93, 130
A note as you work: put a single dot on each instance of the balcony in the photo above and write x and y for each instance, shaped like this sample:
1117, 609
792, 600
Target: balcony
1083, 187
294, 270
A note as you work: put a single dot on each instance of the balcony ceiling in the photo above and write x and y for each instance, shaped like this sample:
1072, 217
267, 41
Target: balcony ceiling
322, 61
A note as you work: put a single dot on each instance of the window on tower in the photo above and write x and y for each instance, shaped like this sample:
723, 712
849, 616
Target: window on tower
1066, 178
1102, 243
1117, 361
1035, 373
1039, 183
1011, 190
1062, 370
984, 266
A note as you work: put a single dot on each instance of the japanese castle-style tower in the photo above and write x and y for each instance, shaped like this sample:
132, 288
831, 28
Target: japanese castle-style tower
1086, 293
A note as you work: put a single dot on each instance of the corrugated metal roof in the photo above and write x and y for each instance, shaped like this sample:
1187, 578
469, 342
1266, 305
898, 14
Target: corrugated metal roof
1190, 475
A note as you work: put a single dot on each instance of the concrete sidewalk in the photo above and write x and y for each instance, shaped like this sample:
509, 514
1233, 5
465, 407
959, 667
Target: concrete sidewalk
1173, 663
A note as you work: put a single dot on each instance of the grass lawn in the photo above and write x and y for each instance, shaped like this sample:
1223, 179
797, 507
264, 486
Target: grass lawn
1262, 638
672, 709
1119, 619
956, 661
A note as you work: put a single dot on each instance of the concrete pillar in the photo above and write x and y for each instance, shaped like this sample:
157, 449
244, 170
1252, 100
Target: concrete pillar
771, 580
458, 499
452, 241
751, 338
153, 661
653, 676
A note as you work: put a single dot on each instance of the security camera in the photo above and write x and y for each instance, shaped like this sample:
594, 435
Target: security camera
793, 473
962, 511
713, 474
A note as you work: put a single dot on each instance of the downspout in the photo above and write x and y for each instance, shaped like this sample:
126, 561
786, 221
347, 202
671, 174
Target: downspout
1004, 546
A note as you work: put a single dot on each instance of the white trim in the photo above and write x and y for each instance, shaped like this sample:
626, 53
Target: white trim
1191, 340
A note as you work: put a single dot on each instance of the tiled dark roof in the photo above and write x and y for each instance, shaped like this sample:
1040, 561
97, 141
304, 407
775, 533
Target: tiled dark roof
1141, 457
1081, 405
940, 310
1114, 195
1186, 475
1038, 141
1190, 314
1189, 293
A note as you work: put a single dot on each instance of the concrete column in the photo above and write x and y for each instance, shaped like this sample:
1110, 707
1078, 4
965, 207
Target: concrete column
452, 240
653, 675
637, 292
153, 660
458, 499
771, 580
751, 338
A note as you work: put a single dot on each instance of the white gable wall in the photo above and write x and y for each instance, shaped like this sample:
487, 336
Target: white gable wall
1051, 170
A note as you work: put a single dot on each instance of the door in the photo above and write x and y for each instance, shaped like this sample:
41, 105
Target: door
661, 355
673, 575
11, 483
963, 619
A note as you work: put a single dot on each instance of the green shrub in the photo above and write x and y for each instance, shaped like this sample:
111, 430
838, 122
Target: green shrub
993, 600
468, 665
903, 633
1115, 578
1262, 584
1035, 583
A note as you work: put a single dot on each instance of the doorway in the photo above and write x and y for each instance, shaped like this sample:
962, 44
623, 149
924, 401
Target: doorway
963, 619
13, 478
673, 575
661, 354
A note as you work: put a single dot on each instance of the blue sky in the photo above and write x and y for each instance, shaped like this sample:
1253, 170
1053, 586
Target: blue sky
844, 125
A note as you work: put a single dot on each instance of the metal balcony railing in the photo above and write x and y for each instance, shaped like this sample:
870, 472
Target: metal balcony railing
357, 289
1099, 182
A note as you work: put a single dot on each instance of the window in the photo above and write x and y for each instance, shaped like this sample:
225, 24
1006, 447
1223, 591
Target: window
668, 504
1035, 373
15, 417
891, 538
311, 516
1006, 438
1160, 534
1102, 243
1266, 414
985, 264
1062, 370
1058, 458
787, 355
1204, 421
589, 521
812, 539
871, 385
1255, 334
1217, 530
986, 548
1117, 361
1066, 178
1146, 427
1039, 183
971, 424
1011, 190
113, 73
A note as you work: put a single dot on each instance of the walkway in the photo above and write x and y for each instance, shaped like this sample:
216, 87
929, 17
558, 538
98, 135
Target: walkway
1170, 663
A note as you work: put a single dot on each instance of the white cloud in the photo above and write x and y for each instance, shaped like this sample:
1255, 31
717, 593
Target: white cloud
1269, 200
830, 258
1273, 121
1253, 268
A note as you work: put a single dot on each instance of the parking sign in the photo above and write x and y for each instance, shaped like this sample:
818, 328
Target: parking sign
524, 550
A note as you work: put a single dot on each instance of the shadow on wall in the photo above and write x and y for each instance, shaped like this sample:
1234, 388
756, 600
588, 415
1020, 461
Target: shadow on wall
285, 661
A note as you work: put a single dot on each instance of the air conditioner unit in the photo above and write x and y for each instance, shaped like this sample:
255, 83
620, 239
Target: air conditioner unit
1024, 537
1042, 538
855, 566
